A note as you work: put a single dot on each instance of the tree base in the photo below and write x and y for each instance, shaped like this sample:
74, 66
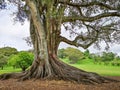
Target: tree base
60, 71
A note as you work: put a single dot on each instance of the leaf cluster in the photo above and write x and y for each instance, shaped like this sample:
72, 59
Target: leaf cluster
23, 59
71, 53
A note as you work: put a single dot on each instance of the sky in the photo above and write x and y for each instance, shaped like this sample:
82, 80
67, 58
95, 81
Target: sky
12, 34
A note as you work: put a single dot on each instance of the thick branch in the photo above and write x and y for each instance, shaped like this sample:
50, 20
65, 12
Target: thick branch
90, 19
75, 41
38, 29
88, 4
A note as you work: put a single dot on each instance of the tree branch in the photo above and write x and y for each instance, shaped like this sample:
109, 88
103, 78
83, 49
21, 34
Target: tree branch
80, 37
63, 39
88, 4
90, 19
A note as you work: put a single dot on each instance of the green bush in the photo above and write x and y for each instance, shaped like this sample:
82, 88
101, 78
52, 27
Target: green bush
73, 59
115, 63
61, 53
22, 59
74, 54
3, 60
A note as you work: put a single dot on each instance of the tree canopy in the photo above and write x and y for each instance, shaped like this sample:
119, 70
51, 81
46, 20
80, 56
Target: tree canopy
71, 53
23, 60
7, 51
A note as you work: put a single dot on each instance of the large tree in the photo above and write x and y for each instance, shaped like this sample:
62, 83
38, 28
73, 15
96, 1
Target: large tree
87, 21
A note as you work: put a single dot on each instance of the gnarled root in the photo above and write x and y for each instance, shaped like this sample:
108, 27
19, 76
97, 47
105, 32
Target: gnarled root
10, 75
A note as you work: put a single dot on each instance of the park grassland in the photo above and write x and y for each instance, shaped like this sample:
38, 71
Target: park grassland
101, 69
87, 65
9, 69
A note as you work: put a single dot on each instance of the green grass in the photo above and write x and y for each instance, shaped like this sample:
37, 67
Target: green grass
9, 69
100, 69
86, 65
89, 66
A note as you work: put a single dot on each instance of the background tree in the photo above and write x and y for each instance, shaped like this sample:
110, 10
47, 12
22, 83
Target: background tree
12, 61
87, 21
73, 54
61, 53
97, 59
87, 54
23, 60
3, 60
116, 61
5, 53
107, 57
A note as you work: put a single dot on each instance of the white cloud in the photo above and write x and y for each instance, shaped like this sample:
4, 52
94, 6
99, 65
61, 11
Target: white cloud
115, 48
12, 34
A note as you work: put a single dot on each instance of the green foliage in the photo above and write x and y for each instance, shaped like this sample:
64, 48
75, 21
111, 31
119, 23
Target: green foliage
97, 59
61, 53
73, 59
117, 58
23, 60
87, 54
12, 60
74, 54
108, 56
7, 51
3, 60
116, 61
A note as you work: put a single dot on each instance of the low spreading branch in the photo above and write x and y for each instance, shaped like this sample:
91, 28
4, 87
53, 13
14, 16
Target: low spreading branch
88, 4
76, 42
90, 19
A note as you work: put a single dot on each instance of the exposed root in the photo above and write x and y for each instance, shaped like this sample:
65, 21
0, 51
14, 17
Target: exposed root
60, 71
10, 75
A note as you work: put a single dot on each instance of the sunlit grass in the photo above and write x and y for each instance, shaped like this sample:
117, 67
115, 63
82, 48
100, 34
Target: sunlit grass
9, 69
88, 65
100, 69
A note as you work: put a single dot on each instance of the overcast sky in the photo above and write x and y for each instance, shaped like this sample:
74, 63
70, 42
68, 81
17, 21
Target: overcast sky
12, 35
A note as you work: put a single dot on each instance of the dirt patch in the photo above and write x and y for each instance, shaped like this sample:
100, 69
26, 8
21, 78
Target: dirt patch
13, 84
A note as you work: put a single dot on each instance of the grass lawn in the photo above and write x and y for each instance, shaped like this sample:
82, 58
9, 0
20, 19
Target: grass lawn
100, 69
88, 65
9, 70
